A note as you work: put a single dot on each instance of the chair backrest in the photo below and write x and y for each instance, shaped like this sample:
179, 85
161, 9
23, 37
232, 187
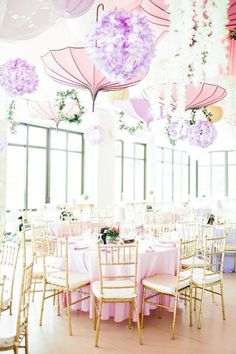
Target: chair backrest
214, 250
230, 231
39, 232
187, 252
55, 256
118, 267
23, 308
9, 254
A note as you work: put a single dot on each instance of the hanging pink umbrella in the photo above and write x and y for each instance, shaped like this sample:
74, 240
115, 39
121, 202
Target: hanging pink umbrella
73, 8
71, 66
199, 96
232, 15
156, 12
137, 108
49, 110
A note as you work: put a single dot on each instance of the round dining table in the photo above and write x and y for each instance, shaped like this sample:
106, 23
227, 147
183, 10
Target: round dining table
160, 257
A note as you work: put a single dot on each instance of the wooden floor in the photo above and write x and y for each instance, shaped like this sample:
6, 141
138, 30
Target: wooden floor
216, 336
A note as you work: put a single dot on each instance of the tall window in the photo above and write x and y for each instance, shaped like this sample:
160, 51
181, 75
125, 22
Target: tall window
43, 165
130, 171
172, 175
216, 172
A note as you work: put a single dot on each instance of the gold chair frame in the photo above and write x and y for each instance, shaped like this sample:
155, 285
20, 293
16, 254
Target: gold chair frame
111, 257
214, 251
183, 283
23, 312
9, 254
58, 249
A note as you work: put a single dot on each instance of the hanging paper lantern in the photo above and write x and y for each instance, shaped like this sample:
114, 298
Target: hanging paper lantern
118, 95
73, 8
3, 141
122, 45
202, 133
94, 135
216, 113
17, 77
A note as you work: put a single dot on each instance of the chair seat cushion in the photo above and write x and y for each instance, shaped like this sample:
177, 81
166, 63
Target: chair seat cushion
198, 262
122, 293
38, 269
199, 279
165, 283
7, 330
76, 279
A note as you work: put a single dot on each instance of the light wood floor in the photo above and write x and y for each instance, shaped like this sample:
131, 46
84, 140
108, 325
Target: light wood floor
216, 336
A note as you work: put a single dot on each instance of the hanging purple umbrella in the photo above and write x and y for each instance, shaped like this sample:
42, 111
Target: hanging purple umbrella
73, 8
72, 66
137, 108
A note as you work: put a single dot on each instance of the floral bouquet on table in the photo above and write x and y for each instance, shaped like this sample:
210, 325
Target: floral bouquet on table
111, 233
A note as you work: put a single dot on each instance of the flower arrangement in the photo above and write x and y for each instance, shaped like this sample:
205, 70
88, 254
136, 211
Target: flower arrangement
94, 135
109, 232
199, 132
62, 96
17, 77
122, 44
66, 215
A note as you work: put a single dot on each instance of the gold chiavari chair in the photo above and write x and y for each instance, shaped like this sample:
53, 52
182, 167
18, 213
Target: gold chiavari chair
78, 227
14, 330
58, 278
39, 232
118, 281
9, 253
211, 274
172, 285
230, 244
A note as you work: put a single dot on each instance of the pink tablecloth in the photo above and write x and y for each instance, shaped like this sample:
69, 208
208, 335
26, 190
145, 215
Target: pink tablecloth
65, 228
162, 260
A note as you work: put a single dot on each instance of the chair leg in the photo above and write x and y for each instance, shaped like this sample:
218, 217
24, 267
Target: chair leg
94, 313
195, 299
190, 306
16, 349
42, 304
159, 308
58, 305
130, 315
34, 290
222, 300
68, 313
138, 321
142, 310
98, 323
201, 308
174, 317
26, 341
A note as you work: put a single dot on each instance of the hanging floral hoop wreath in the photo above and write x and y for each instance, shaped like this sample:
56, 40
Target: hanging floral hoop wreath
61, 101
130, 129
10, 117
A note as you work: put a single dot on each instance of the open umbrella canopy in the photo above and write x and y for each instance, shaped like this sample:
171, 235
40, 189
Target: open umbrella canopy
72, 66
137, 108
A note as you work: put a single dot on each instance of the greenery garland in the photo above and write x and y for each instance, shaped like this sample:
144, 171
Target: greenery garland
130, 129
61, 100
10, 116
